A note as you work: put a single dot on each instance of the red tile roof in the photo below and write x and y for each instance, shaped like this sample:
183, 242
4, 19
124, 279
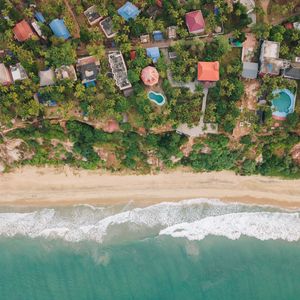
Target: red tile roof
23, 31
208, 71
194, 21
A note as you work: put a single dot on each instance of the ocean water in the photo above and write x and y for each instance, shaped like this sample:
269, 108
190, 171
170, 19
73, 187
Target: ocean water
194, 249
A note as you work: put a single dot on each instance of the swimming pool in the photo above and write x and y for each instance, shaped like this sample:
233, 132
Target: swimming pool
283, 103
157, 98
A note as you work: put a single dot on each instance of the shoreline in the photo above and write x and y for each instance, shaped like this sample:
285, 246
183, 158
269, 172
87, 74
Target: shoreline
47, 186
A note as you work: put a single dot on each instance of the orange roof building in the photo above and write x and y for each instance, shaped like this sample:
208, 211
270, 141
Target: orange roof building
208, 71
23, 31
150, 76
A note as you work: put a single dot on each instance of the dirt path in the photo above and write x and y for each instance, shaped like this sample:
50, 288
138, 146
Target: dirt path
77, 28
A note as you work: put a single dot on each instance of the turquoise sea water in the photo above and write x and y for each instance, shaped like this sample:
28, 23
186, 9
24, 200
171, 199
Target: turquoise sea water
227, 251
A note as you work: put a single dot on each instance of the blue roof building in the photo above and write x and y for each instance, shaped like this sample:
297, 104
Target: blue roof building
59, 29
153, 53
128, 11
158, 36
39, 17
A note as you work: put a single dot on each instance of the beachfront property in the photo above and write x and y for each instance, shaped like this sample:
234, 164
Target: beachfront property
66, 73
208, 71
22, 31
153, 53
5, 76
270, 63
18, 72
47, 77
59, 29
88, 68
107, 27
92, 15
149, 76
119, 70
195, 22
128, 11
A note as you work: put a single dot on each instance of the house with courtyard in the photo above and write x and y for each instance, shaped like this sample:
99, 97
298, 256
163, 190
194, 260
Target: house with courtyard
270, 63
92, 15
18, 72
5, 76
195, 22
22, 31
88, 68
107, 27
119, 70
59, 29
128, 11
66, 73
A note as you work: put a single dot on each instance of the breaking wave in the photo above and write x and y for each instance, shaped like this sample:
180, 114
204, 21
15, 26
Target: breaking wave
263, 226
192, 219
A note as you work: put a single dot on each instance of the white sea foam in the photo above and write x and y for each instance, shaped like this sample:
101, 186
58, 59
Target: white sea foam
193, 219
263, 226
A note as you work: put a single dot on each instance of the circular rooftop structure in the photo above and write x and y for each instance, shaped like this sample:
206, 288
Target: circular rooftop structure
150, 76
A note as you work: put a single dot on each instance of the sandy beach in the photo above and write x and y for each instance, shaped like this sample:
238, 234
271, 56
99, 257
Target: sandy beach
65, 186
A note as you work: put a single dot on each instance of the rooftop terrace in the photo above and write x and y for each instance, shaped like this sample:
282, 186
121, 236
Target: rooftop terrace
119, 70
